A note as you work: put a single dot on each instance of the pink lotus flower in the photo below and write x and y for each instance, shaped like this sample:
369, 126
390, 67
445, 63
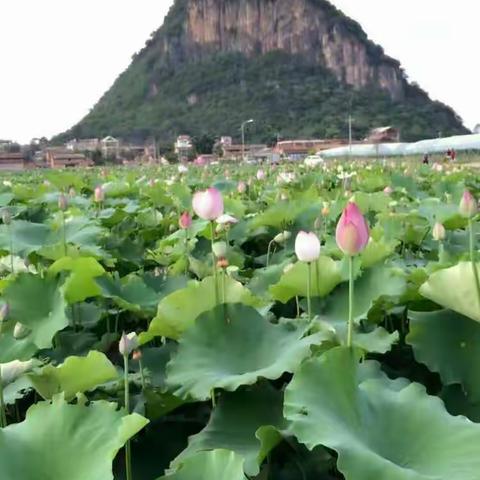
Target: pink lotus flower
185, 220
261, 175
241, 187
468, 205
62, 202
99, 194
208, 204
352, 230
388, 190
307, 247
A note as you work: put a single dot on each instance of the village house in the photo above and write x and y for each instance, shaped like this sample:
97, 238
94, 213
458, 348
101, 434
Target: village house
183, 147
110, 147
62, 158
298, 150
477, 129
383, 135
235, 152
13, 162
83, 145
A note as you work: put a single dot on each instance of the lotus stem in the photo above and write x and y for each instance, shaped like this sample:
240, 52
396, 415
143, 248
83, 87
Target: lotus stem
186, 251
317, 274
309, 290
3, 415
10, 238
268, 251
215, 276
128, 452
472, 257
350, 302
142, 373
64, 235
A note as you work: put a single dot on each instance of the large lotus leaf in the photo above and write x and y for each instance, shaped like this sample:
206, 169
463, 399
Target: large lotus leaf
26, 238
246, 422
381, 429
39, 304
80, 284
454, 288
233, 345
75, 375
129, 293
374, 283
12, 348
294, 282
177, 312
62, 441
448, 343
279, 214
377, 251
214, 465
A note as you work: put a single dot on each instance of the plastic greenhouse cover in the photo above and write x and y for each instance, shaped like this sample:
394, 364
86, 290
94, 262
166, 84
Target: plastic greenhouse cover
437, 145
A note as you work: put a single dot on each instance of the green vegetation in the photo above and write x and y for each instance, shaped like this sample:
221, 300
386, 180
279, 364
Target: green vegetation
284, 94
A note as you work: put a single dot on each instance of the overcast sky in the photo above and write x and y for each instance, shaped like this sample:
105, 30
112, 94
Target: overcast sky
59, 56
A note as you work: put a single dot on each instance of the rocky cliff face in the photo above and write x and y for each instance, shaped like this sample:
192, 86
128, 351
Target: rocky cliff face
298, 67
305, 27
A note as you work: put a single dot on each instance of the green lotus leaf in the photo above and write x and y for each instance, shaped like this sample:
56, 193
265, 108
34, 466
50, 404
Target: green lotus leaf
214, 465
26, 237
377, 251
130, 293
381, 429
279, 214
80, 284
449, 344
177, 312
39, 304
374, 283
454, 288
75, 375
246, 422
233, 345
12, 348
294, 282
62, 441
16, 390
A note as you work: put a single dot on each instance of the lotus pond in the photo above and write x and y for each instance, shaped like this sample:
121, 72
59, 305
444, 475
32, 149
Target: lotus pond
252, 331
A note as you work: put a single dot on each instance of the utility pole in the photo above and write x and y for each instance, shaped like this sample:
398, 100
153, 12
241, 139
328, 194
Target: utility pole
243, 136
350, 120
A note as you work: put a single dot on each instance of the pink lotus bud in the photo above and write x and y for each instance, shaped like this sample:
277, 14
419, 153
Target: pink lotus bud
352, 230
71, 192
260, 175
208, 204
438, 232
185, 220
6, 216
128, 343
307, 247
62, 202
241, 187
388, 190
4, 311
137, 355
99, 194
468, 205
